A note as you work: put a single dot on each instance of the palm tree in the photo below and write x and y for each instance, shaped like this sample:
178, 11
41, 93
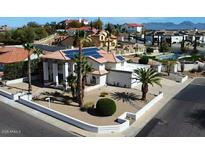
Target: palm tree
109, 29
146, 77
81, 38
38, 52
169, 64
29, 47
72, 81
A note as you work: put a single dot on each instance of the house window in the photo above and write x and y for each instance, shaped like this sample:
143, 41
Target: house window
93, 80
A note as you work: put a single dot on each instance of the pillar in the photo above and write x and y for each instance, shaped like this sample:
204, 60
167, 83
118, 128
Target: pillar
45, 71
65, 72
55, 73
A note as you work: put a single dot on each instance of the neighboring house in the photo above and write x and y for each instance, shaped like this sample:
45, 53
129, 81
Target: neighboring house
66, 42
164, 35
107, 68
100, 39
66, 22
10, 55
130, 48
132, 27
123, 37
87, 29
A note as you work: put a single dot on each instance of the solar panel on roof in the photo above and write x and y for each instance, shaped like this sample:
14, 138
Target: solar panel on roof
86, 52
120, 58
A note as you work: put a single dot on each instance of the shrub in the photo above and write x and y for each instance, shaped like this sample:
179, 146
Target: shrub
19, 70
103, 94
87, 106
150, 50
130, 61
144, 60
164, 47
193, 70
105, 107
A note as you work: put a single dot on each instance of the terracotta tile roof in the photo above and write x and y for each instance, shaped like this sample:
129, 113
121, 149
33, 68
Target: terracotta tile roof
6, 49
12, 55
101, 72
110, 57
99, 60
103, 56
135, 25
58, 55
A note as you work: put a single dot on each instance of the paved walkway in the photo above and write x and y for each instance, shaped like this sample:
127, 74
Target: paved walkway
170, 88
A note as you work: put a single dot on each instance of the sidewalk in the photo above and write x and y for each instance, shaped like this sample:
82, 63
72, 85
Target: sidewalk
170, 89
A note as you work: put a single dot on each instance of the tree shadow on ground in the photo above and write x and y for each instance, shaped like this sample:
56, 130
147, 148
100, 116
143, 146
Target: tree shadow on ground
59, 98
125, 97
37, 83
15, 87
198, 118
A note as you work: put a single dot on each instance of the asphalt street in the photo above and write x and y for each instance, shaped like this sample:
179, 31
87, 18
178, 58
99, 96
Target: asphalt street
183, 116
14, 123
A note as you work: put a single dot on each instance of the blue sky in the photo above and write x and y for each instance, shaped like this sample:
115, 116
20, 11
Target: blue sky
19, 21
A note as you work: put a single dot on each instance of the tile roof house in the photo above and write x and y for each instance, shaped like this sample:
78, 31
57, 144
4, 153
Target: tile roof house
10, 55
132, 27
57, 66
87, 29
67, 21
100, 39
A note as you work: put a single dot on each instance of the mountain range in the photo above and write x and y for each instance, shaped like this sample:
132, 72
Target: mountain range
172, 26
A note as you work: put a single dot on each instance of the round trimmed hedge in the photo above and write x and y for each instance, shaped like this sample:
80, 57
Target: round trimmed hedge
106, 107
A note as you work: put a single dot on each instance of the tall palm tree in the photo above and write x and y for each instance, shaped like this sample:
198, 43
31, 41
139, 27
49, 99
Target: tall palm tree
169, 65
146, 77
29, 47
82, 38
38, 52
109, 29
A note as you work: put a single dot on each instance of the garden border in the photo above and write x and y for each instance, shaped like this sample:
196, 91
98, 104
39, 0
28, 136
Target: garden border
123, 121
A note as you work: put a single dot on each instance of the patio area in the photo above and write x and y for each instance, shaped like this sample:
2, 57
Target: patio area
127, 100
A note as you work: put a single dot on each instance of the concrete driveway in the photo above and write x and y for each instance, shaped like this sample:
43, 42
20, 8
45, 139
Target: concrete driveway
183, 116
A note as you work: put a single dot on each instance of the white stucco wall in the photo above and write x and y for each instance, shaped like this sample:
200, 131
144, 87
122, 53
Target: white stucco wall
114, 65
102, 79
177, 39
95, 65
119, 78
